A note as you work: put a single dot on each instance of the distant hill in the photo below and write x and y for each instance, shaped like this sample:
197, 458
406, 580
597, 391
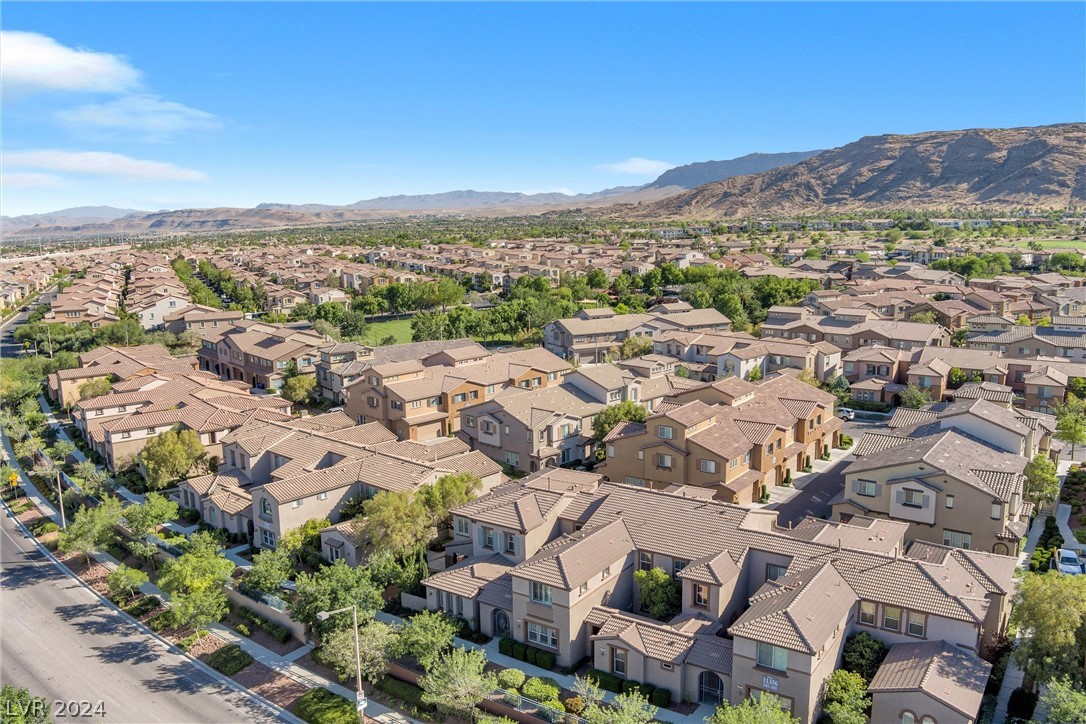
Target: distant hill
1040, 167
468, 199
66, 217
693, 175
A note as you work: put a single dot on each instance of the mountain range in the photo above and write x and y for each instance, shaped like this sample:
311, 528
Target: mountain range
1040, 167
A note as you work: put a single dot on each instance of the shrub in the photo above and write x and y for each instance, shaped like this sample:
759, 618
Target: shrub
244, 630
544, 660
320, 706
529, 654
189, 515
505, 646
1021, 705
541, 689
142, 606
863, 654
661, 697
630, 685
606, 680
160, 621
47, 527
231, 659
574, 705
186, 643
519, 651
511, 679
403, 691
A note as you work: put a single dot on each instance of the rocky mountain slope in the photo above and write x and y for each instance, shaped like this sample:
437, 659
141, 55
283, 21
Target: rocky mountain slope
1039, 167
66, 217
693, 175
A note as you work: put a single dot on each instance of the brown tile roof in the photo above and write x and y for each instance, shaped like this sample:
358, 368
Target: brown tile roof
571, 560
468, 577
939, 669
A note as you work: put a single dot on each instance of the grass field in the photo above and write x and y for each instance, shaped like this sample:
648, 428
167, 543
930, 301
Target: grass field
401, 330
1049, 243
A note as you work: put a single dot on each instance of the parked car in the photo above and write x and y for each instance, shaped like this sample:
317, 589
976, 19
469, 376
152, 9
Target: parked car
846, 414
1067, 562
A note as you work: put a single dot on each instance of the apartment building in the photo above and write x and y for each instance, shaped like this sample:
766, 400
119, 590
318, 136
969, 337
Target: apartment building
764, 608
199, 318
1028, 342
259, 353
709, 356
114, 364
420, 399
732, 438
853, 329
295, 470
342, 363
119, 424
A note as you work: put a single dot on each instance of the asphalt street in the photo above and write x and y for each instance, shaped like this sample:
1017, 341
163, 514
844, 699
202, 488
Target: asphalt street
60, 641
8, 346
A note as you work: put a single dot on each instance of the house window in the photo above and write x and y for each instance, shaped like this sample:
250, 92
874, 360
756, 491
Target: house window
510, 543
707, 466
584, 588
677, 565
665, 432
640, 454
950, 501
701, 595
891, 618
125, 435
462, 397
907, 717
397, 405
913, 498
957, 539
463, 527
645, 561
997, 511
772, 657
541, 593
512, 458
542, 635
663, 460
488, 538
867, 613
416, 404
746, 458
618, 662
610, 451
605, 573
469, 421
490, 389
868, 488
296, 504
666, 666
265, 506
917, 624
773, 571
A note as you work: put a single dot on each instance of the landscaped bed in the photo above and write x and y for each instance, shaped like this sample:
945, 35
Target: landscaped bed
1074, 494
275, 687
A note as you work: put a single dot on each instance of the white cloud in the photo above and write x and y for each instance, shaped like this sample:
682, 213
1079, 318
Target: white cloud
27, 180
100, 163
32, 62
153, 117
637, 166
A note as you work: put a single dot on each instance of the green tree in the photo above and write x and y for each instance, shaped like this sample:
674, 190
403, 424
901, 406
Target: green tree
766, 709
425, 636
354, 325
332, 587
596, 278
915, 397
91, 529
147, 516
1052, 610
956, 378
376, 640
198, 609
299, 388
755, 374
426, 326
448, 492
171, 456
607, 418
627, 708
307, 536
123, 581
270, 568
1042, 482
95, 388
194, 583
1023, 321
846, 698
924, 318
457, 681
1071, 422
659, 593
1064, 702
397, 522
22, 707
863, 655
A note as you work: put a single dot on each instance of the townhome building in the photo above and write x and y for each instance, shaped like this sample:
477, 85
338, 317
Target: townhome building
136, 410
709, 356
198, 318
260, 353
763, 608
591, 334
114, 364
1026, 342
421, 398
730, 437
290, 471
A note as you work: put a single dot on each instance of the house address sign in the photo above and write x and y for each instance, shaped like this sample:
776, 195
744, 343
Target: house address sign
770, 683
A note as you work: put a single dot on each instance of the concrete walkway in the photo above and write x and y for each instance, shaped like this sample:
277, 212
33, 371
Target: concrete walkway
780, 494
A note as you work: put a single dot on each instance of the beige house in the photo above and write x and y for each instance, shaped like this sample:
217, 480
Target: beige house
114, 364
922, 683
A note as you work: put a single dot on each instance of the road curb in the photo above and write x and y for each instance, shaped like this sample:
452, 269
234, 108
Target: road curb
275, 709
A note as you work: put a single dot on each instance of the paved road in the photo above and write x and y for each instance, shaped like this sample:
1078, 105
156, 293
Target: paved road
8, 346
61, 642
814, 498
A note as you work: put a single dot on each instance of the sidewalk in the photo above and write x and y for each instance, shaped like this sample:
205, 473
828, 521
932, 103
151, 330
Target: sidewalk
779, 494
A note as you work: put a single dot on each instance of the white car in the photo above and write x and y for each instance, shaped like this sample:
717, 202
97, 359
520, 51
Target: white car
1068, 562
846, 414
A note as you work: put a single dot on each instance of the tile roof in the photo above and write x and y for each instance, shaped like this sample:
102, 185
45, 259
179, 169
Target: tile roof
939, 669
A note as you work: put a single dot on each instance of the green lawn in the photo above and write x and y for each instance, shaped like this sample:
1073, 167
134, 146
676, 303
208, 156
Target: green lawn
1047, 243
399, 328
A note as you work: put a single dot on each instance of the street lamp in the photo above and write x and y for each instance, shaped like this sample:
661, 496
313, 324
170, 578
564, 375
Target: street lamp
360, 696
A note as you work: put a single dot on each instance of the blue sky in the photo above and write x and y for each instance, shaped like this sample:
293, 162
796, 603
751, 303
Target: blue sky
163, 105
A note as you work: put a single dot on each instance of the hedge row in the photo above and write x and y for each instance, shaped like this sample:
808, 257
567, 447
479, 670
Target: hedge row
320, 706
142, 606
230, 659
277, 631
606, 680
523, 652
403, 691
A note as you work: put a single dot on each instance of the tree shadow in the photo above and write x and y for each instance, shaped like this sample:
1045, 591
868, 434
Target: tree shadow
131, 652
91, 618
22, 573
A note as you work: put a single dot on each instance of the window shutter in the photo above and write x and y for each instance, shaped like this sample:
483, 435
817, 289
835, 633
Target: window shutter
856, 486
900, 497
482, 536
878, 489
926, 501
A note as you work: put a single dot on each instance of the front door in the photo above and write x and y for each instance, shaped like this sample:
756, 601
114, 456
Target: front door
710, 688
500, 623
